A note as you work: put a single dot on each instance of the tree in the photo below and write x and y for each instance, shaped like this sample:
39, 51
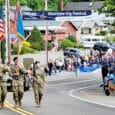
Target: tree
108, 7
22, 2
36, 40
72, 38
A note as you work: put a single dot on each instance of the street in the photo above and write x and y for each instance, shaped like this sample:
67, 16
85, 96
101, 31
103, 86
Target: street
66, 94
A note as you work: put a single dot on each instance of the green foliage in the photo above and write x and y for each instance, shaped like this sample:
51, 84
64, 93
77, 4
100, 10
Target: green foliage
113, 39
108, 7
26, 49
72, 38
50, 45
102, 33
35, 4
112, 31
113, 24
36, 40
66, 43
22, 2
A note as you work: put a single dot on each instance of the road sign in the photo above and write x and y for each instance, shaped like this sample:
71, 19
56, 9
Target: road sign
52, 15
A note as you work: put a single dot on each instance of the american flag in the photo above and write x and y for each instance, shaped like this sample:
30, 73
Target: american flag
1, 29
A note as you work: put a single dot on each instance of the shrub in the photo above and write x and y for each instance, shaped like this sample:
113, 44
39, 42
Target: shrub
113, 39
50, 45
112, 31
102, 33
26, 49
66, 43
72, 38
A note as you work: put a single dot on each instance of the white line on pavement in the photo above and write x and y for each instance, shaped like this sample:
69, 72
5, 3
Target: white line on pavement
82, 99
72, 82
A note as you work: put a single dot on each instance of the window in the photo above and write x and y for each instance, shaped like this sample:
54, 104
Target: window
86, 31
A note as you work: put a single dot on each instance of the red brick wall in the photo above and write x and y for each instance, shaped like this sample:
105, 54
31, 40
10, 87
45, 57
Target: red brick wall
61, 34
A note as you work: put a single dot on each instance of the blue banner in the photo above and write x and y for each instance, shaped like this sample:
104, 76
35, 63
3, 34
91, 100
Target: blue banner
52, 15
91, 68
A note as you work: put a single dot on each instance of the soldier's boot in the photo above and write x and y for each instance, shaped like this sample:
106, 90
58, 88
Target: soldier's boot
20, 103
37, 104
0, 105
16, 104
40, 98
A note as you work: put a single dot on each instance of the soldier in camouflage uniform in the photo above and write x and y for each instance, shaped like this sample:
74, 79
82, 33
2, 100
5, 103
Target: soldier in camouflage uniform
38, 82
17, 82
3, 83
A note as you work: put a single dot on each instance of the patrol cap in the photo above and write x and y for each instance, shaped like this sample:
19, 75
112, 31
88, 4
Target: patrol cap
15, 58
37, 62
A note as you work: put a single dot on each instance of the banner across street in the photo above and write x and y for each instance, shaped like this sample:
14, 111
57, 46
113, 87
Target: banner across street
52, 15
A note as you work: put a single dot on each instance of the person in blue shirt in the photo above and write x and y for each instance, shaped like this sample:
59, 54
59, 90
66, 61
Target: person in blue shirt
111, 80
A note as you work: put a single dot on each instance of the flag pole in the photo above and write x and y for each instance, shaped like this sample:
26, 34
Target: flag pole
46, 33
7, 26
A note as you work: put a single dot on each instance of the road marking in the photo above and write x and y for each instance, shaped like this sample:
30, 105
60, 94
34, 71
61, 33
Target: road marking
82, 99
72, 82
18, 110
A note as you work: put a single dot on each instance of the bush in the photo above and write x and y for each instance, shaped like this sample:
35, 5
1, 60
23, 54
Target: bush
112, 31
113, 39
25, 48
50, 45
72, 38
102, 33
66, 43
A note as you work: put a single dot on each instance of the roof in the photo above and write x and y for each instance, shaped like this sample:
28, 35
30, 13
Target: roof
99, 23
88, 23
83, 5
52, 25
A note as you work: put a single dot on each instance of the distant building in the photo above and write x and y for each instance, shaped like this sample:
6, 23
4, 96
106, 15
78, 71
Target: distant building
93, 6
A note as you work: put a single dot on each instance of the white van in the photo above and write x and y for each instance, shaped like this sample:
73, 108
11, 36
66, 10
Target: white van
89, 41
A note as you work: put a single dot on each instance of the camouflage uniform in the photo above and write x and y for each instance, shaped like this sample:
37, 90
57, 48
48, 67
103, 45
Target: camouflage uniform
17, 84
38, 84
3, 83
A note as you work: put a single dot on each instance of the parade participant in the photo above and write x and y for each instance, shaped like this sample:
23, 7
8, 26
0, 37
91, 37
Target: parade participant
38, 82
17, 82
3, 83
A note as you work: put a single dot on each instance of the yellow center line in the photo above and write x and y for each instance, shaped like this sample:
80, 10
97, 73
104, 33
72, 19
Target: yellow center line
14, 110
19, 110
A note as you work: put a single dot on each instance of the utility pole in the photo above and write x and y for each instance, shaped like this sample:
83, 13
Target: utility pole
7, 26
46, 33
62, 4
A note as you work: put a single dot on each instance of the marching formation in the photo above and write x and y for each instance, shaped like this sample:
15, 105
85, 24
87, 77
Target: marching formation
36, 76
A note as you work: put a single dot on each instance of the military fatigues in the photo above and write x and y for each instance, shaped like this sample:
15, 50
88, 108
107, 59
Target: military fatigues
38, 84
3, 83
17, 84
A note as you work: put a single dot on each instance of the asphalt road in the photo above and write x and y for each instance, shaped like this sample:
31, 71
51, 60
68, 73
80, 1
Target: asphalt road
63, 97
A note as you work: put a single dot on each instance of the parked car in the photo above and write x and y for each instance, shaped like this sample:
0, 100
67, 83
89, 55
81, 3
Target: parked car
72, 52
101, 46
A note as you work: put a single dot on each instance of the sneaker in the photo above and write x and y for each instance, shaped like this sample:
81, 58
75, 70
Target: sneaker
107, 92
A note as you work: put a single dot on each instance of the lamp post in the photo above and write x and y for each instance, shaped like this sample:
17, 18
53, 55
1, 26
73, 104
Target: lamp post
46, 33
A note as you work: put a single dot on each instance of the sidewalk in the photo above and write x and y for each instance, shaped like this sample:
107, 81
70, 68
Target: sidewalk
97, 96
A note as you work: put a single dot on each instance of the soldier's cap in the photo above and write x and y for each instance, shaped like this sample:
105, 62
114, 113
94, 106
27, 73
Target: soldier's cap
15, 58
37, 62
